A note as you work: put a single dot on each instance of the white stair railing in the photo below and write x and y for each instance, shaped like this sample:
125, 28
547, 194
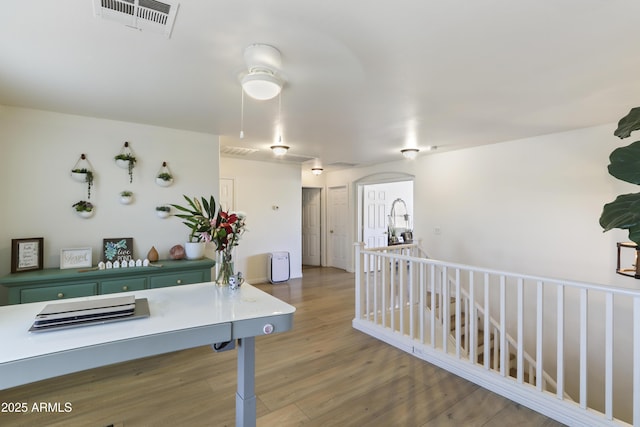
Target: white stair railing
524, 337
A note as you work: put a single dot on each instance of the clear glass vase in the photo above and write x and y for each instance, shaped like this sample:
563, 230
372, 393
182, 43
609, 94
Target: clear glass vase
225, 269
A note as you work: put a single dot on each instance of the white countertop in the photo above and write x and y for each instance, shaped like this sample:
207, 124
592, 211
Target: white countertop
177, 308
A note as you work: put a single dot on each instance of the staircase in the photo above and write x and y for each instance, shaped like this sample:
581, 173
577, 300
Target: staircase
526, 338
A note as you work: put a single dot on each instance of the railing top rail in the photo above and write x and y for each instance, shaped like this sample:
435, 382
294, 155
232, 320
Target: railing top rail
389, 252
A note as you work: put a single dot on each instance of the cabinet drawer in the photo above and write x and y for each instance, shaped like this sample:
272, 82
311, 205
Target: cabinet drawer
122, 285
183, 278
58, 292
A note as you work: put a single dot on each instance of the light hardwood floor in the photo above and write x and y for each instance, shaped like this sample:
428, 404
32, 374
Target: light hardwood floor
323, 373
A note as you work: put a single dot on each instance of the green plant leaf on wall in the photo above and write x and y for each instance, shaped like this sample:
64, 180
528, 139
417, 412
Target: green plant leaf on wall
628, 123
625, 163
623, 213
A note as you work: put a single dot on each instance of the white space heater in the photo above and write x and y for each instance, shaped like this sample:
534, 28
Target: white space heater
278, 267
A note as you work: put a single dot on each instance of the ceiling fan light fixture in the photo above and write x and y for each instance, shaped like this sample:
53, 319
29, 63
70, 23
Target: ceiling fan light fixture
410, 153
261, 85
279, 149
316, 171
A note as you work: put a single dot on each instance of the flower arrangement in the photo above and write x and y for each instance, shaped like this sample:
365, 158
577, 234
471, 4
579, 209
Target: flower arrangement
224, 229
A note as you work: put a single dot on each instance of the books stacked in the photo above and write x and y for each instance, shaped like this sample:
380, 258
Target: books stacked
88, 312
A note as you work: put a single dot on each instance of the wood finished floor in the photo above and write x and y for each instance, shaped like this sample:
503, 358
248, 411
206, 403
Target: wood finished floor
323, 373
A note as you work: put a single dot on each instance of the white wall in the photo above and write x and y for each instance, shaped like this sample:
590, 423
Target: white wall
40, 148
259, 186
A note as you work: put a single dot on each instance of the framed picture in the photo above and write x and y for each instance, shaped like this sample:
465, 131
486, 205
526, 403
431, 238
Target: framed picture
75, 258
120, 249
26, 254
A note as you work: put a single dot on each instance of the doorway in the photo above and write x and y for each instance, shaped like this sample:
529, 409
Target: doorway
311, 226
377, 200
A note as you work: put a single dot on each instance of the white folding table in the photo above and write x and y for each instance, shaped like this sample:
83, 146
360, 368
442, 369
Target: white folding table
181, 317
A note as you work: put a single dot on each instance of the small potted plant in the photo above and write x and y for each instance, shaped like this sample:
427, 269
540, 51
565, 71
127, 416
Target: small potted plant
163, 211
164, 179
126, 197
126, 161
84, 209
83, 175
200, 219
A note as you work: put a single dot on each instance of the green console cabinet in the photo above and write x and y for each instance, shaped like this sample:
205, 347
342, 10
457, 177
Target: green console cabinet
53, 283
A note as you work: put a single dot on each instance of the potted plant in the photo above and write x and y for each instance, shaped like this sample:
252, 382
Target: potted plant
199, 217
83, 175
163, 211
84, 209
164, 179
126, 161
126, 197
624, 211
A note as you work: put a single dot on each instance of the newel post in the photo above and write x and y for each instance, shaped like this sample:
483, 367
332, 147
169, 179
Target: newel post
358, 264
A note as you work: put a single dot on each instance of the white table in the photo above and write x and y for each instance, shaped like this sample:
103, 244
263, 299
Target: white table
181, 317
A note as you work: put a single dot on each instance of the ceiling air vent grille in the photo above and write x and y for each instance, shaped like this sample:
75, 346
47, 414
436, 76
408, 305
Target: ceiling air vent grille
144, 15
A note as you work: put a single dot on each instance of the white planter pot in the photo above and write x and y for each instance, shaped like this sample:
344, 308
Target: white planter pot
79, 176
162, 183
124, 164
162, 214
85, 214
125, 200
194, 250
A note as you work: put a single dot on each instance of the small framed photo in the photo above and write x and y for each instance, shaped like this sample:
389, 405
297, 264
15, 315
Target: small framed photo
120, 249
26, 254
75, 258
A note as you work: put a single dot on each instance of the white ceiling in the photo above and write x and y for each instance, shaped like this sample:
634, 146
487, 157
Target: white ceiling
363, 78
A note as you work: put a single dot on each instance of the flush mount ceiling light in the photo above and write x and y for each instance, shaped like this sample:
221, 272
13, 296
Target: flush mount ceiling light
316, 171
410, 153
263, 62
279, 149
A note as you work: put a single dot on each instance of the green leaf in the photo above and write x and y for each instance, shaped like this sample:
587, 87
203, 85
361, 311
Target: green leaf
625, 163
623, 213
628, 123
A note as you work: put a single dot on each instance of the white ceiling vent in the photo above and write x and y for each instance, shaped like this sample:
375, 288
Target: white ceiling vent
146, 15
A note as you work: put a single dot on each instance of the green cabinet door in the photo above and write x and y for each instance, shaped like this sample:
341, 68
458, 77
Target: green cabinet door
58, 292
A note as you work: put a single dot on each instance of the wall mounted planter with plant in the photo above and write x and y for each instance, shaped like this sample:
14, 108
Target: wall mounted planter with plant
126, 160
83, 172
163, 211
164, 178
84, 209
126, 197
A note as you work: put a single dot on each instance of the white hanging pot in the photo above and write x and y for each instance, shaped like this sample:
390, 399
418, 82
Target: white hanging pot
194, 250
124, 164
79, 176
126, 200
164, 183
162, 214
85, 214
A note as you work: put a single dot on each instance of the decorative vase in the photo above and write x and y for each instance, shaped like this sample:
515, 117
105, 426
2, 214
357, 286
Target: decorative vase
194, 250
225, 269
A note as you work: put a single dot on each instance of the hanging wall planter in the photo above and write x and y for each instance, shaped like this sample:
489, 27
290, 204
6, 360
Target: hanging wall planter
126, 160
164, 178
84, 209
126, 197
163, 211
83, 172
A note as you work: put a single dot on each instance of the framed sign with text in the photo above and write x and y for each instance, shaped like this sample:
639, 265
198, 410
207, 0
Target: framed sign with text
75, 258
26, 254
120, 249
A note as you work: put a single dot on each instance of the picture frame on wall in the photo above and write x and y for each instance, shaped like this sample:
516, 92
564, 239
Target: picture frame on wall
27, 254
75, 258
117, 249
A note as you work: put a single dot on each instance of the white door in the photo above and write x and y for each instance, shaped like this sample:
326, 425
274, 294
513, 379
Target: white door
311, 226
227, 193
338, 215
375, 209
